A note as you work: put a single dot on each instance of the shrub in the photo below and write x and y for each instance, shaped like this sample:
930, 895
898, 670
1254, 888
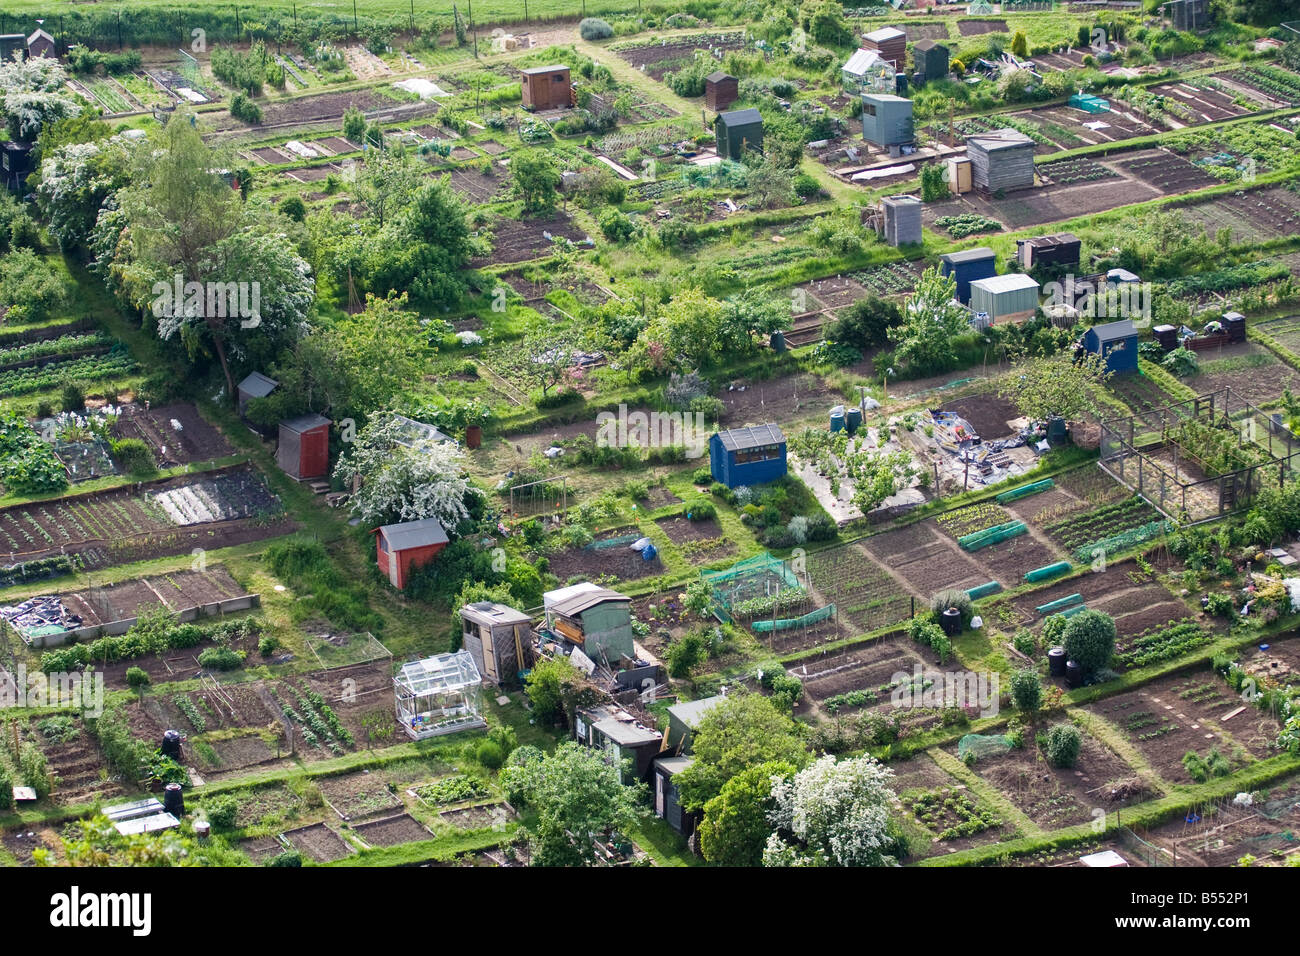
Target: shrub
1090, 640
34, 769
245, 110
594, 28
490, 755
222, 812
73, 397
137, 678
1062, 744
287, 858
685, 654
133, 456
1027, 689
221, 659
294, 208
268, 645
6, 788
702, 476
615, 226
953, 598
701, 511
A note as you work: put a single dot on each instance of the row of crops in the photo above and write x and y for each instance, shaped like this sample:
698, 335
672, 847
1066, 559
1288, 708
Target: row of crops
1077, 531
37, 378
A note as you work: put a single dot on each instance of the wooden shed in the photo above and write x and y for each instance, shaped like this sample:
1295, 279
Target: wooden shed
256, 385
668, 803
1117, 343
495, 636
967, 266
547, 88
40, 43
890, 43
18, 165
720, 90
1001, 161
623, 738
738, 131
1058, 249
401, 548
748, 456
901, 220
12, 46
684, 720
304, 449
930, 59
596, 619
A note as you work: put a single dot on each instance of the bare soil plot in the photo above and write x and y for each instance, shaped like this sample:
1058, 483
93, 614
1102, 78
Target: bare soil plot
1259, 384
781, 400
1055, 797
866, 597
519, 240
391, 831
326, 106
987, 412
619, 560
1205, 105
336, 144
23, 843
360, 794
1164, 727
239, 753
474, 818
478, 186
926, 559
1164, 171
680, 530
1122, 591
271, 155
656, 59
320, 843
1045, 204
870, 668
77, 763
920, 31
261, 849
194, 440
1251, 215
971, 28
177, 591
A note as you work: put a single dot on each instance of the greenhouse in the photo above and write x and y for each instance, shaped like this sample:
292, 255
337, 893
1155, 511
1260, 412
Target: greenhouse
439, 695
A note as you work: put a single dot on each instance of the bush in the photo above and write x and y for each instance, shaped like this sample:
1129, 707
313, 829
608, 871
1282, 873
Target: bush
594, 28
1027, 689
615, 226
222, 812
1062, 744
1090, 640
6, 788
953, 598
34, 769
73, 397
294, 208
221, 659
133, 456
287, 858
137, 678
268, 645
490, 755
701, 511
685, 654
702, 476
245, 110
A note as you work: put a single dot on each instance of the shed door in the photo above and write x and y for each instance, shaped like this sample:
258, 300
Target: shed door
394, 566
659, 795
489, 653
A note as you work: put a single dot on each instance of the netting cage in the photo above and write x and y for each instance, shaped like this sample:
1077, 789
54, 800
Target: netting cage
439, 695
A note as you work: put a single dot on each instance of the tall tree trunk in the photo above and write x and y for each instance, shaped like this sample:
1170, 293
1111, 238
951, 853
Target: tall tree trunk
225, 366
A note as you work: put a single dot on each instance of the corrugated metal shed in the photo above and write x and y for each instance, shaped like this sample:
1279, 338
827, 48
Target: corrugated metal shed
1009, 298
887, 119
754, 436
1001, 161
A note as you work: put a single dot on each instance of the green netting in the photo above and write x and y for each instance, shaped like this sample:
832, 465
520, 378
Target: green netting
753, 581
1089, 103
993, 535
983, 745
1050, 571
785, 623
1071, 611
984, 590
1059, 603
1122, 541
1024, 491
623, 539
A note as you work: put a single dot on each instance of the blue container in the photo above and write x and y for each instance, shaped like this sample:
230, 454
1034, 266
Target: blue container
853, 420
837, 418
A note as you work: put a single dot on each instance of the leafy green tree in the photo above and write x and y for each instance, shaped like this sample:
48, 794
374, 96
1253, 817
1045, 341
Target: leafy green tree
577, 797
387, 182
354, 124
734, 829
536, 180
932, 321
865, 324
382, 350
424, 250
1058, 385
933, 186
1090, 640
742, 731
1020, 45
824, 20
547, 685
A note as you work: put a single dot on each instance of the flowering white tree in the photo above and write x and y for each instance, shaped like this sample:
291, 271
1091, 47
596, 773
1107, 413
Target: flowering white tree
401, 482
832, 814
32, 94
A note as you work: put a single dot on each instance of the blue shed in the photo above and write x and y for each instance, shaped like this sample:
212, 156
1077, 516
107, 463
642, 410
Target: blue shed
967, 266
747, 456
1117, 342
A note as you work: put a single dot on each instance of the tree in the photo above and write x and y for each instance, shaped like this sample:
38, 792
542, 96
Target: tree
551, 680
865, 324
387, 182
771, 186
1027, 689
825, 23
1062, 744
536, 180
740, 732
1057, 386
934, 188
404, 482
754, 312
577, 796
1089, 638
75, 180
834, 813
688, 332
933, 320
382, 351
543, 358
32, 96
1020, 45
425, 249
734, 829
354, 124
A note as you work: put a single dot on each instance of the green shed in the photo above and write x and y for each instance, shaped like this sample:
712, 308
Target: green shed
739, 130
684, 719
1005, 298
594, 618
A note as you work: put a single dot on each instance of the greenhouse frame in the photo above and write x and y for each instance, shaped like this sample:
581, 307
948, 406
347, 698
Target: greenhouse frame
439, 695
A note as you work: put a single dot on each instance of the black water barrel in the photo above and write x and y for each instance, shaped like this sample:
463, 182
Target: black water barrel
171, 744
174, 800
1056, 662
1073, 674
950, 621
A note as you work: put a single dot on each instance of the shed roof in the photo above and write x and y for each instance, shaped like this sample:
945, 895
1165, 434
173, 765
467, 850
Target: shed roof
414, 534
927, 44
257, 385
40, 35
1007, 138
740, 117
443, 672
885, 34
717, 76
1122, 275
884, 98
1011, 282
674, 765
490, 612
542, 70
689, 712
626, 733
1111, 331
577, 603
977, 254
754, 436
1055, 239
305, 423
413, 431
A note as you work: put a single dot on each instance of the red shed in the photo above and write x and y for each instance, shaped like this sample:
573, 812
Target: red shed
399, 548
304, 449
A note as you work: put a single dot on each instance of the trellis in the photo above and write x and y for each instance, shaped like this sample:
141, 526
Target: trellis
546, 496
